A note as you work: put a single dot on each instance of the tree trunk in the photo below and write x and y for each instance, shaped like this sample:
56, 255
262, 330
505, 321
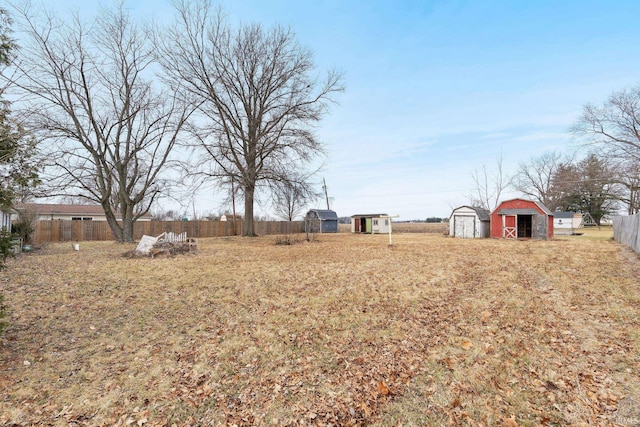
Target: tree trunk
113, 224
127, 229
247, 225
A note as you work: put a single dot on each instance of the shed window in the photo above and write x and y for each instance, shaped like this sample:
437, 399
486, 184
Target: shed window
386, 222
375, 222
81, 218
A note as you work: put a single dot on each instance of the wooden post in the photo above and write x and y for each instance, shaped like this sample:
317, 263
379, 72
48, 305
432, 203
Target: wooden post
389, 218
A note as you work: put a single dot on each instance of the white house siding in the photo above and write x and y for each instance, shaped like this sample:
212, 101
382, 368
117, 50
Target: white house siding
5, 220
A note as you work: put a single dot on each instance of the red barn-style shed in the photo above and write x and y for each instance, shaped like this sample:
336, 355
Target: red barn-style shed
521, 219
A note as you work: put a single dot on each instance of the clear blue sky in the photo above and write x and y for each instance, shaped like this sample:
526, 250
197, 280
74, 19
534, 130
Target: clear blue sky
437, 89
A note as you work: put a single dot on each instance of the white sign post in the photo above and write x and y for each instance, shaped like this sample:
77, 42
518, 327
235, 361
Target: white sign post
389, 218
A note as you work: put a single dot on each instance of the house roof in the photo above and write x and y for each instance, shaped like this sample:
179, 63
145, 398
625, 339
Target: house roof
324, 214
482, 213
65, 209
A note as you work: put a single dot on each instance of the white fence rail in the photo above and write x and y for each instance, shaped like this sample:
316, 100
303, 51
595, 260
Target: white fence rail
626, 230
172, 237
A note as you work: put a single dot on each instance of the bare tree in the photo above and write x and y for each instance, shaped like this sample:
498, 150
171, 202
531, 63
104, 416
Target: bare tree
256, 95
628, 185
489, 186
615, 126
109, 129
534, 178
290, 197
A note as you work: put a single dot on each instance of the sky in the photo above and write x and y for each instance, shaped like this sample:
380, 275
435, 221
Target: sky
436, 90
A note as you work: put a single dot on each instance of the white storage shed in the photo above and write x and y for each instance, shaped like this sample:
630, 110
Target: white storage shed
469, 222
567, 223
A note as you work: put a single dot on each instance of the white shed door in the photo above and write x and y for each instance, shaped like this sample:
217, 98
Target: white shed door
464, 226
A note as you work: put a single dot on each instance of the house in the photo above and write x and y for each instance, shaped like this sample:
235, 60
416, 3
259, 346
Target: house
566, 223
370, 223
468, 222
5, 218
521, 218
321, 221
231, 217
44, 211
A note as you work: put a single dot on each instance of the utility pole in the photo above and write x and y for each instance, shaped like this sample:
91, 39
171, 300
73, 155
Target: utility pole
326, 195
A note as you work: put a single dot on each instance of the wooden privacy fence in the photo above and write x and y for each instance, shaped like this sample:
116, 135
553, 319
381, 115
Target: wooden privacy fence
626, 230
67, 230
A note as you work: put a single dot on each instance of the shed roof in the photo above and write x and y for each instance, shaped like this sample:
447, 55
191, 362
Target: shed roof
324, 214
518, 211
482, 213
542, 207
369, 215
564, 215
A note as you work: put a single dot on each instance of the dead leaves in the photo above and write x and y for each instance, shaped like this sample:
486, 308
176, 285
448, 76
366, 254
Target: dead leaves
383, 389
320, 337
466, 343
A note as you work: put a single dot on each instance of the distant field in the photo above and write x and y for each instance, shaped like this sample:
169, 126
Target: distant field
406, 227
345, 330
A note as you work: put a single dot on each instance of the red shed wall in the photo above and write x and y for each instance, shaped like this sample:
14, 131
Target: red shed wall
496, 220
496, 225
519, 204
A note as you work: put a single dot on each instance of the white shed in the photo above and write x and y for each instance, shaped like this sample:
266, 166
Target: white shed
567, 223
370, 223
468, 222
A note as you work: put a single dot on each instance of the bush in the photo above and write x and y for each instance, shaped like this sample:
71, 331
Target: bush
25, 225
6, 246
287, 240
3, 313
6, 250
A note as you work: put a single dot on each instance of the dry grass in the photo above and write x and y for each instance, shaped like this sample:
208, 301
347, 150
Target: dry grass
407, 227
343, 331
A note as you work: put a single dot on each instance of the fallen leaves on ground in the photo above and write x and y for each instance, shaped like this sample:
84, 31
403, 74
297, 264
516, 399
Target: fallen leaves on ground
341, 331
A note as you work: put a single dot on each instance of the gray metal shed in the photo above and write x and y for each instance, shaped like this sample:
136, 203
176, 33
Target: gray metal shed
321, 221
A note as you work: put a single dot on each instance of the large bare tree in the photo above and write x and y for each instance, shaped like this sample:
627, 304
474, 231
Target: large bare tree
614, 126
109, 128
535, 178
258, 98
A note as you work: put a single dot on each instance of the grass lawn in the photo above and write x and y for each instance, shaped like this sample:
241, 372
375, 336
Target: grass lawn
345, 330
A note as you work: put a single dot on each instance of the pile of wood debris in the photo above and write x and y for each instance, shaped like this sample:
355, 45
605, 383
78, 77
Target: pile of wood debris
167, 244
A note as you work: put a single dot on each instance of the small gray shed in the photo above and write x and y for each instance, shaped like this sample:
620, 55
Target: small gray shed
321, 221
469, 222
